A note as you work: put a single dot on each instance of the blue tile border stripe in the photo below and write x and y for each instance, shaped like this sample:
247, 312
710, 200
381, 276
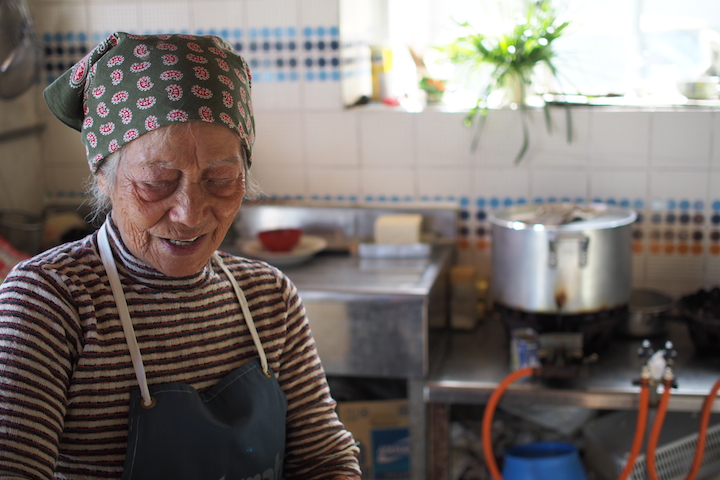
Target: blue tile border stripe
275, 54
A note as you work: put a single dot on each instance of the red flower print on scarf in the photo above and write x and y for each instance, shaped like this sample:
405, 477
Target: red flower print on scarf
227, 81
178, 116
102, 109
120, 96
131, 134
115, 60
79, 70
218, 52
107, 128
201, 73
174, 92
125, 115
169, 59
223, 64
202, 92
145, 103
196, 58
206, 114
151, 123
195, 47
227, 119
139, 67
227, 99
141, 51
171, 75
144, 84
97, 92
116, 76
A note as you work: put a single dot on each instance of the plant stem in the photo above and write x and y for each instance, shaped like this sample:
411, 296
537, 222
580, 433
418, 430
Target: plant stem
526, 135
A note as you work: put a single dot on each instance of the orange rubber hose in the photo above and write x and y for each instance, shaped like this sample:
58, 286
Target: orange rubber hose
488, 418
656, 429
702, 433
639, 429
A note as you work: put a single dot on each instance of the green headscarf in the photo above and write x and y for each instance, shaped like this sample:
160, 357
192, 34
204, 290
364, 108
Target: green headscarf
132, 84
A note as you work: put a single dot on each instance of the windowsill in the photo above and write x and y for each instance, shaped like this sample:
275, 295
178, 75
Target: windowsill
670, 103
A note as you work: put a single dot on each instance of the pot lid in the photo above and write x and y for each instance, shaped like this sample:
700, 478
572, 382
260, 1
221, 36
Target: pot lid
563, 216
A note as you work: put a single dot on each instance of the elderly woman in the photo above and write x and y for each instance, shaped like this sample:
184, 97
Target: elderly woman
141, 351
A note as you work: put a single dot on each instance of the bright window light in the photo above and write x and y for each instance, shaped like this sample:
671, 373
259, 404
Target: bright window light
631, 48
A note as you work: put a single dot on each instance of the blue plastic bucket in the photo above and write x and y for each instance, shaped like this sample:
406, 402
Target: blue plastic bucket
543, 461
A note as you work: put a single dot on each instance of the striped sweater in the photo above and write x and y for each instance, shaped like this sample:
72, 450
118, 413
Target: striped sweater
66, 374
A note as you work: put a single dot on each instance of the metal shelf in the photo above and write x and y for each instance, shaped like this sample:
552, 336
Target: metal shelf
19, 133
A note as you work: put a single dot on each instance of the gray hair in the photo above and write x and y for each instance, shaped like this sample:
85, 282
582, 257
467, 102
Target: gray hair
100, 204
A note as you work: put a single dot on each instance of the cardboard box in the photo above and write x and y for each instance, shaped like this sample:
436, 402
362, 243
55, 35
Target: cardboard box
382, 429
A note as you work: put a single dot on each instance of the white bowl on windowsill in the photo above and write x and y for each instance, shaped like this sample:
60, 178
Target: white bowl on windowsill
704, 88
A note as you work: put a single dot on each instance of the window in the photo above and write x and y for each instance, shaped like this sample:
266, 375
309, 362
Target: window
635, 48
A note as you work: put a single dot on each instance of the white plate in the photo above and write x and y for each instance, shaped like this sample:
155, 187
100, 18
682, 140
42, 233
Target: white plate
306, 248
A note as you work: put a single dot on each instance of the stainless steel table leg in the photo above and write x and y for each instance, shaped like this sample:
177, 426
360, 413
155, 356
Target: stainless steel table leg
439, 441
418, 430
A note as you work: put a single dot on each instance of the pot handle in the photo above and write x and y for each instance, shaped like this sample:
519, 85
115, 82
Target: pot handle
553, 240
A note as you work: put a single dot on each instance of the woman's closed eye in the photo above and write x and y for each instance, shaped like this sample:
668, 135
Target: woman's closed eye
157, 189
222, 185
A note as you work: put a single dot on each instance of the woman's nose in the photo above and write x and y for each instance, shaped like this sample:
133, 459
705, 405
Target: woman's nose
190, 206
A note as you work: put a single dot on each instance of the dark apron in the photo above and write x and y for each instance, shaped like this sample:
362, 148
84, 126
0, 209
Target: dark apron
234, 431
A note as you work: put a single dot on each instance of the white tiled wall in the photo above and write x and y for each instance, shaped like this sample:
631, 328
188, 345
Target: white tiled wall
620, 138
663, 162
20, 155
681, 135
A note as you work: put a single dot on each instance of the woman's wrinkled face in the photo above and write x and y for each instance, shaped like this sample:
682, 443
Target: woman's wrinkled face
174, 200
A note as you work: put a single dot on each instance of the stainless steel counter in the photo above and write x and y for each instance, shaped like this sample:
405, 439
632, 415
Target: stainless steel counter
370, 317
475, 363
350, 274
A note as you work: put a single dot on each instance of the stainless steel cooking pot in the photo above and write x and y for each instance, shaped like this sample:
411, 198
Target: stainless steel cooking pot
647, 313
562, 258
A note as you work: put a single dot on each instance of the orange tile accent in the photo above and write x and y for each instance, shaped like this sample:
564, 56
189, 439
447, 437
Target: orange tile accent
637, 247
683, 249
669, 248
463, 244
697, 249
482, 244
655, 248
715, 249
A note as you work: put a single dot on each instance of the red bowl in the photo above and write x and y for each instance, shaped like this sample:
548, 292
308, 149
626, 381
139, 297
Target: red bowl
280, 240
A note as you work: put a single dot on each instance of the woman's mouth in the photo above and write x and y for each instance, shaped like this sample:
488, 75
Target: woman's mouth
182, 243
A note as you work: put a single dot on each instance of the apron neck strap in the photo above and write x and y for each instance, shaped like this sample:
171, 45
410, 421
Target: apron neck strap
109, 264
246, 313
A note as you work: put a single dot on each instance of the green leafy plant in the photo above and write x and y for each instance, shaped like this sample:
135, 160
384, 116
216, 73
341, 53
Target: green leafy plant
514, 57
433, 87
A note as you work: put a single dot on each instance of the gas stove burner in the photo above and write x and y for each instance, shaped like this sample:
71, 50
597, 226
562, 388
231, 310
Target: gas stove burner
597, 328
701, 313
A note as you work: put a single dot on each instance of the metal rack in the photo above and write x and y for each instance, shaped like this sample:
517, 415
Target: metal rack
18, 133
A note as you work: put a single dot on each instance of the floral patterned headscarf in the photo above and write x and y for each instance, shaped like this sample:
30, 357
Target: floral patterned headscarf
133, 84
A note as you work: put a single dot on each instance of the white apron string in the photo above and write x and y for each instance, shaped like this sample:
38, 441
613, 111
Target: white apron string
246, 312
109, 263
